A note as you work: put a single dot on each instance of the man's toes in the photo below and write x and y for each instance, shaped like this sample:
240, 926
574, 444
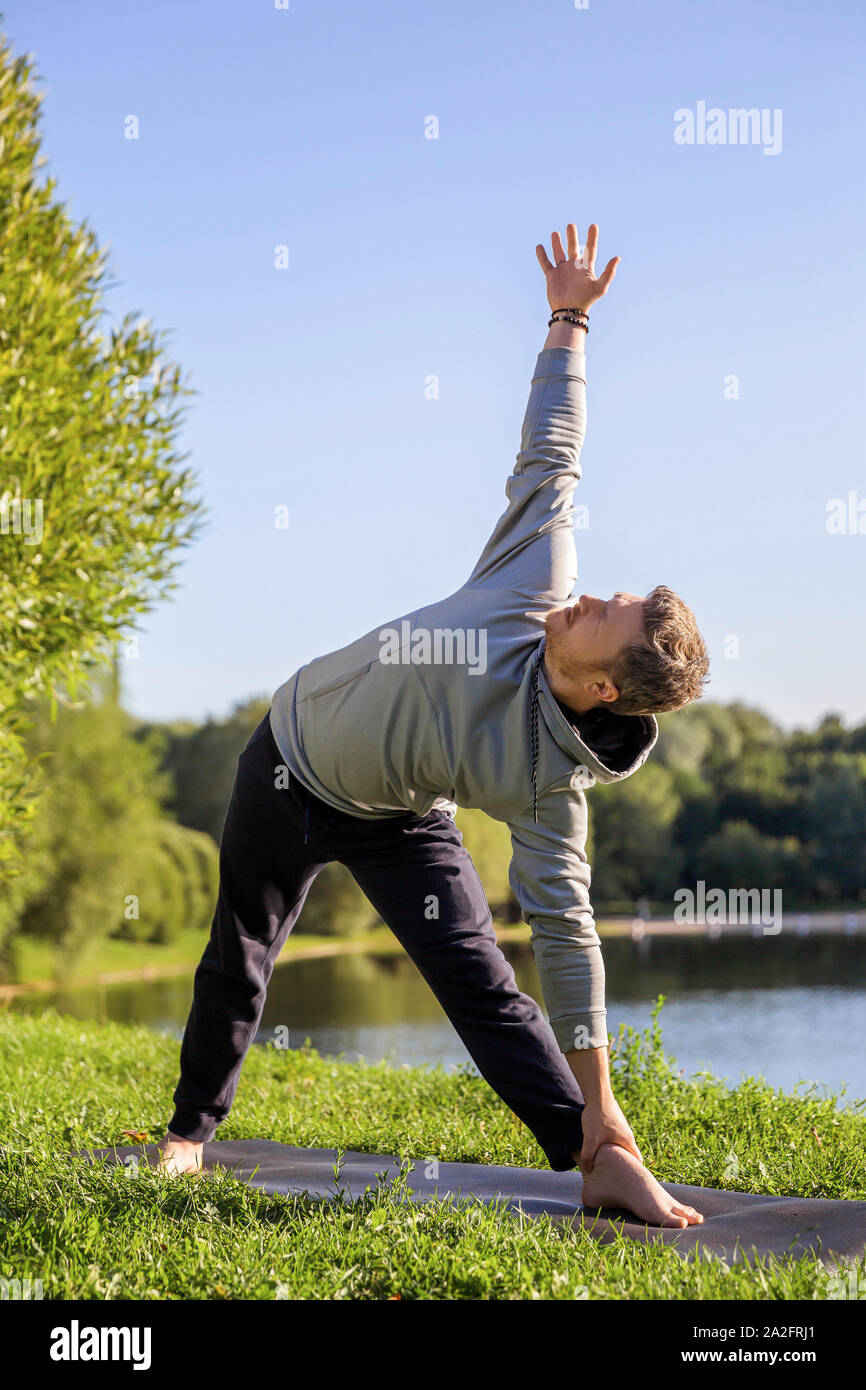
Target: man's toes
691, 1213
692, 1217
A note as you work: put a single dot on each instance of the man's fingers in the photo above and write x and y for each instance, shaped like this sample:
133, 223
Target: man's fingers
627, 1142
587, 261
588, 1155
558, 253
591, 246
608, 273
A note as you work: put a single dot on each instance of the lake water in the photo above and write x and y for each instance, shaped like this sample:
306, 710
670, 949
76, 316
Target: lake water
789, 1008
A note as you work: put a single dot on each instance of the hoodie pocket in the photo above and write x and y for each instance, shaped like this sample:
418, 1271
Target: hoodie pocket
338, 682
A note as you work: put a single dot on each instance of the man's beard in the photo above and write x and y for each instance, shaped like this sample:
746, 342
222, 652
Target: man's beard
564, 665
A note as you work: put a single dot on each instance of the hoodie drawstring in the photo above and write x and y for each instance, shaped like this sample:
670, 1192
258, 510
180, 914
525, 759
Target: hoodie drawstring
533, 736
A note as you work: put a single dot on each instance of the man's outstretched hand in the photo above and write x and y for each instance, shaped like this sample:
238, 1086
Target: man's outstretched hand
572, 282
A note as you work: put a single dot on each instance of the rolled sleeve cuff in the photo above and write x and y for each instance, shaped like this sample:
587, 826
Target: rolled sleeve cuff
561, 361
575, 1032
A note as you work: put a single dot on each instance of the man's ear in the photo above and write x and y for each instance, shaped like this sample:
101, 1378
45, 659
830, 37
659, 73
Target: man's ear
605, 691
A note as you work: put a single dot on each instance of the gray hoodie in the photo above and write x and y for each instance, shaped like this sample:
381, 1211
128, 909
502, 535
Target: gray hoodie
449, 706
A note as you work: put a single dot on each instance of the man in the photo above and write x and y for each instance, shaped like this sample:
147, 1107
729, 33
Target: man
509, 696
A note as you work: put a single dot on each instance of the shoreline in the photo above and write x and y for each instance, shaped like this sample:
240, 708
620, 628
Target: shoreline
369, 945
800, 925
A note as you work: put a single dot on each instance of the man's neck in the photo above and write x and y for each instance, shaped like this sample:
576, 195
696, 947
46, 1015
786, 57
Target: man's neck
579, 702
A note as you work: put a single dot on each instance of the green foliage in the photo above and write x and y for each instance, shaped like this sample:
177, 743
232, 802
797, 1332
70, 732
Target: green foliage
759, 807
201, 761
836, 796
489, 844
738, 855
94, 502
98, 800
634, 848
166, 888
336, 906
192, 862
103, 859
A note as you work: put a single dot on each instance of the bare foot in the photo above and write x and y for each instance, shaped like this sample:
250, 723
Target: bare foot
178, 1156
618, 1180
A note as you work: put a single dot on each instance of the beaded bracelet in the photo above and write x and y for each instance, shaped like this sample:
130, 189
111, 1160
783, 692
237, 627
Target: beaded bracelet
566, 318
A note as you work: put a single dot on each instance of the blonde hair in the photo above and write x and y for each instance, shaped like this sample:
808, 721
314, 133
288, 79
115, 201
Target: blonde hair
670, 667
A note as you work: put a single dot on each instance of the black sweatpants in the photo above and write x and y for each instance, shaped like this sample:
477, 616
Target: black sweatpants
275, 841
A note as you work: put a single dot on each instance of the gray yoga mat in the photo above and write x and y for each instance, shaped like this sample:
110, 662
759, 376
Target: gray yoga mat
736, 1224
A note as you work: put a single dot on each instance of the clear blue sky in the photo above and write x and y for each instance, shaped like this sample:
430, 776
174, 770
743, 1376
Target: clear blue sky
410, 257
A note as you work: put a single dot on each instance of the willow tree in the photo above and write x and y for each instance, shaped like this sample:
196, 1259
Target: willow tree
103, 859
94, 499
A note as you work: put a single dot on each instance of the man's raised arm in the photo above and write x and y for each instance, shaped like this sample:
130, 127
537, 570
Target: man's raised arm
532, 547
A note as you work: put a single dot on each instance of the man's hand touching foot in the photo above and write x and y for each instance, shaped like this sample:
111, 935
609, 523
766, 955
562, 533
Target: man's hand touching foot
604, 1123
610, 1161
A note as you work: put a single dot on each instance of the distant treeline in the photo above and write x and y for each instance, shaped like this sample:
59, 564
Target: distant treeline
727, 796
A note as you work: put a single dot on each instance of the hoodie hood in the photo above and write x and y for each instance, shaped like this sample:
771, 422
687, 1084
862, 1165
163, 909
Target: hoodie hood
610, 746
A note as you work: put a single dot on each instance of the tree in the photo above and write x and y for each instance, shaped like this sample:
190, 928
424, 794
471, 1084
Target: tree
739, 856
173, 882
103, 859
684, 739
201, 762
93, 501
835, 827
632, 849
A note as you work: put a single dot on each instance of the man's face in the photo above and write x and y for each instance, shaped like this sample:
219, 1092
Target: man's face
583, 640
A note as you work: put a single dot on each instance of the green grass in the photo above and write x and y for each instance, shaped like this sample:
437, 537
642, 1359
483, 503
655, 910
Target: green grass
95, 1233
